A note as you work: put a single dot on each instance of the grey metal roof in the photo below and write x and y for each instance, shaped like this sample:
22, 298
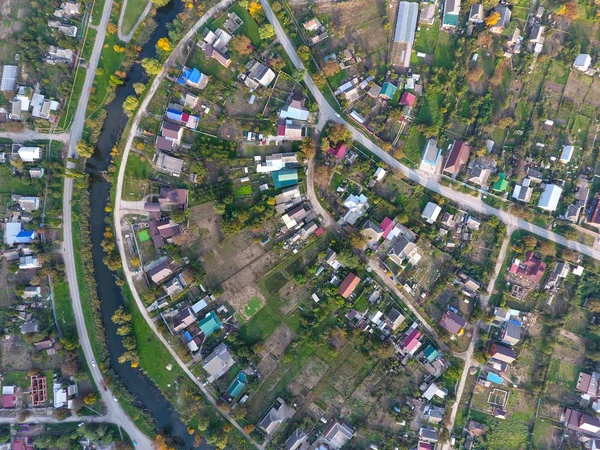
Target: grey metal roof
406, 22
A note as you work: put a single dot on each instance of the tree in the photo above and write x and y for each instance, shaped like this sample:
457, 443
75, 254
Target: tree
547, 248
160, 3
84, 149
331, 68
308, 147
203, 423
304, 53
139, 88
358, 240
130, 103
241, 45
152, 66
568, 10
299, 75
529, 242
277, 63
99, 72
121, 316
90, 399
319, 79
160, 443
118, 49
111, 28
339, 133
492, 19
385, 350
255, 9
163, 44
249, 428
266, 32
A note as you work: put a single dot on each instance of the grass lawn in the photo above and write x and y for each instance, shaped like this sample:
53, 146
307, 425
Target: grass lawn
19, 379
442, 56
244, 190
557, 73
134, 189
10, 184
97, 11
262, 324
64, 310
430, 111
211, 67
563, 372
65, 120
337, 79
136, 167
542, 434
426, 38
144, 236
414, 145
253, 305
250, 27
577, 321
133, 11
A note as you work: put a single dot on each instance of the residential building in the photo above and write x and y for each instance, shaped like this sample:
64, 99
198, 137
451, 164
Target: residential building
536, 34
295, 109
193, 78
511, 333
210, 324
458, 157
290, 129
434, 390
162, 143
588, 384
476, 13
9, 399
550, 197
593, 217
356, 116
275, 162
372, 232
9, 78
388, 90
36, 172
411, 342
566, 154
29, 262
531, 269
284, 178
582, 62
173, 287
172, 132
408, 99
190, 121
278, 414
428, 434
434, 414
451, 13
502, 353
432, 158
217, 55
312, 25
57, 55
431, 212
218, 362
501, 184
218, 40
580, 422
173, 198
160, 272
169, 164
523, 191
394, 319
338, 434
32, 292
404, 33
427, 15
339, 151
389, 228
453, 323
357, 206
259, 74
503, 21
297, 438
30, 154
404, 250
27, 204
348, 286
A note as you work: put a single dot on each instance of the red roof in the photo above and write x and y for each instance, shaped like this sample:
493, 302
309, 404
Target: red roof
408, 99
459, 155
531, 269
185, 117
387, 225
348, 285
319, 231
281, 130
339, 151
412, 340
8, 401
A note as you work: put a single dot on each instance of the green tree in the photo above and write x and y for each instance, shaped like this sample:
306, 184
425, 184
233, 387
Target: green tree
152, 66
139, 88
160, 3
304, 53
266, 32
130, 103
84, 149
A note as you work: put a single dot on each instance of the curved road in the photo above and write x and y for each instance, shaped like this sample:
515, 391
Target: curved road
115, 413
127, 37
465, 201
119, 212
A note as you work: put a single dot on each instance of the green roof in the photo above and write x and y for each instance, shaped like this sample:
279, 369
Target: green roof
430, 353
237, 386
285, 177
388, 90
209, 324
450, 19
501, 184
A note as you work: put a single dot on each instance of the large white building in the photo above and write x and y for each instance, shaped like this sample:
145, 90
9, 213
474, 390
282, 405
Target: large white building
30, 154
404, 33
550, 197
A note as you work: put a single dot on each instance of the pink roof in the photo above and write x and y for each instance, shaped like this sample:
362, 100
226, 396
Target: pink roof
339, 151
319, 231
185, 117
281, 130
8, 401
531, 269
412, 340
408, 99
424, 446
387, 225
348, 285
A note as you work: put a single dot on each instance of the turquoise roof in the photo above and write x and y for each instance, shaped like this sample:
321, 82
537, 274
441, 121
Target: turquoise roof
209, 324
285, 177
431, 353
388, 89
451, 19
237, 386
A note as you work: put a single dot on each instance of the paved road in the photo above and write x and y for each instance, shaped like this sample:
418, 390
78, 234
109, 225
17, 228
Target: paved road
30, 135
465, 201
127, 37
119, 204
115, 414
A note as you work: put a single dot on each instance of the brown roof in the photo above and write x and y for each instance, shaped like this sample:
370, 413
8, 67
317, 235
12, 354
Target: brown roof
502, 353
459, 155
163, 143
594, 216
178, 196
217, 55
170, 130
348, 285
453, 322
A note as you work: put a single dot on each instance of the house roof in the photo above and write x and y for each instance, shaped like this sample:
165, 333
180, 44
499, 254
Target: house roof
210, 323
406, 22
163, 143
411, 342
339, 151
278, 413
160, 271
431, 154
169, 163
501, 184
531, 268
171, 130
387, 225
296, 439
431, 212
431, 353
285, 177
502, 353
459, 155
348, 285
238, 385
594, 215
567, 153
388, 89
338, 434
408, 98
218, 362
178, 196
453, 322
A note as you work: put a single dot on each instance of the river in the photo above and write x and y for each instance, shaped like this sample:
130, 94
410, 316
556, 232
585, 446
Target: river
146, 392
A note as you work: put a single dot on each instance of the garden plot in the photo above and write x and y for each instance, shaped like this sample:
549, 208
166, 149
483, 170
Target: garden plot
204, 229
593, 96
273, 349
561, 382
578, 86
238, 105
308, 378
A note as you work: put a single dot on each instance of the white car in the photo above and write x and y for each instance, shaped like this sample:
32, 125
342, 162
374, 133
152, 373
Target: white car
115, 399
93, 363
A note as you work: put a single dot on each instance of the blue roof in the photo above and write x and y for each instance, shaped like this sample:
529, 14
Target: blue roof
188, 336
195, 76
431, 353
285, 177
184, 76
173, 114
24, 236
494, 378
238, 385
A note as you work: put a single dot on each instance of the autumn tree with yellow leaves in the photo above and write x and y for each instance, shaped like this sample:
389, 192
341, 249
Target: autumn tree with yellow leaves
492, 19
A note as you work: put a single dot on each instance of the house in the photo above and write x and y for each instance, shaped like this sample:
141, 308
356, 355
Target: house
331, 259
11, 231
451, 13
550, 197
296, 439
593, 217
25, 237
501, 184
523, 191
68, 30
503, 21
357, 206
580, 422
408, 99
30, 154
502, 353
161, 271
70, 8
390, 230
233, 22
480, 170
173, 287
356, 116
172, 132
374, 91
339, 151
511, 333
210, 324
278, 414
588, 384
404, 33
275, 162
190, 121
162, 143
9, 78
432, 158
295, 109
337, 435
348, 286
57, 55
312, 25
434, 414
582, 62
259, 74
388, 90
289, 129
27, 204
428, 434
9, 399
15, 112
476, 13
218, 362
193, 77
169, 164
427, 15
218, 40
173, 198
372, 232
567, 154
22, 444
217, 55
32, 292
394, 319
431, 212
434, 390
36, 172
532, 268
411, 343
285, 177
453, 323
404, 250
458, 157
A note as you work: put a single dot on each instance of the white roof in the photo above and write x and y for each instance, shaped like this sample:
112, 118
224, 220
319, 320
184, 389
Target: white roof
380, 173
9, 78
196, 307
30, 154
583, 61
431, 212
356, 116
8, 390
37, 101
550, 197
567, 153
406, 22
354, 201
10, 232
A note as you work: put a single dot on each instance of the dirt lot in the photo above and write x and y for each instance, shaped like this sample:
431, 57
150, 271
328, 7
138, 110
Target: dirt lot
238, 104
308, 378
593, 97
15, 355
577, 86
204, 231
572, 349
10, 12
239, 299
273, 348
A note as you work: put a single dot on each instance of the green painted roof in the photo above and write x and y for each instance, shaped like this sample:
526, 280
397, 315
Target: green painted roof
285, 177
501, 184
451, 19
237, 386
388, 89
430, 353
209, 324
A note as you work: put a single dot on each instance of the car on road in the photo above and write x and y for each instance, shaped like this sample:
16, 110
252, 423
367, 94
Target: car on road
115, 399
135, 443
93, 363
